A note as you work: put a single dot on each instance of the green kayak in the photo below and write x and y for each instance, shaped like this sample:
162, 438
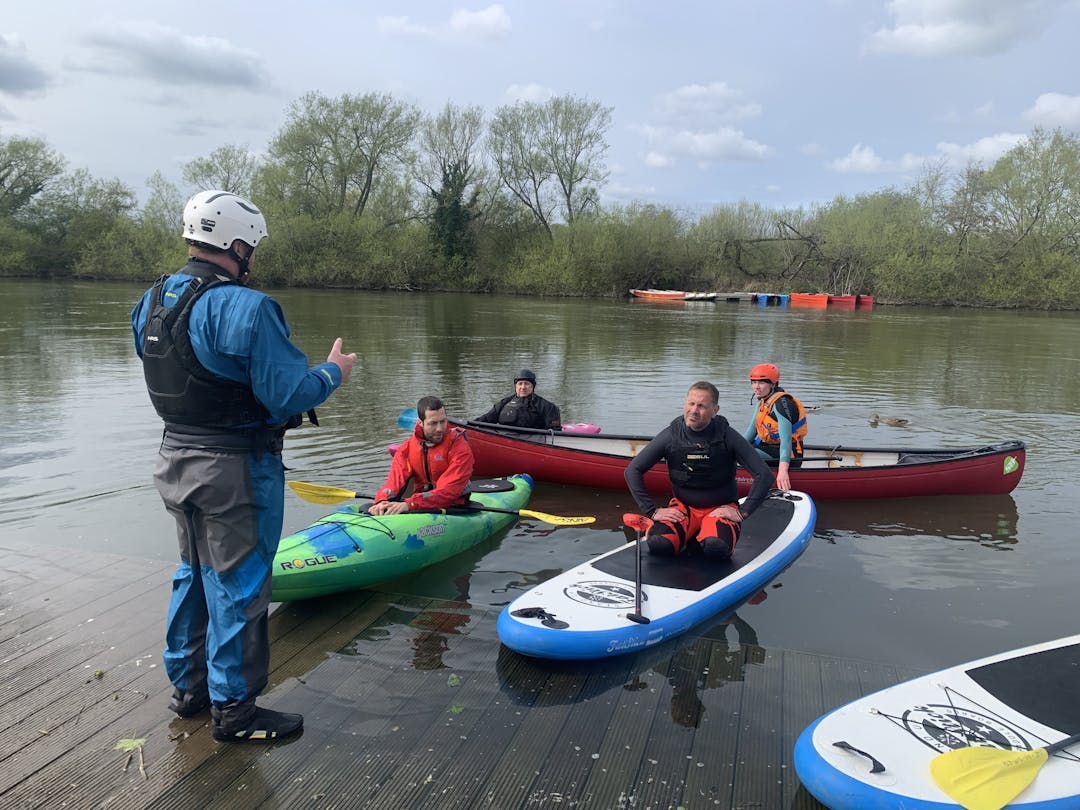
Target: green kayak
350, 549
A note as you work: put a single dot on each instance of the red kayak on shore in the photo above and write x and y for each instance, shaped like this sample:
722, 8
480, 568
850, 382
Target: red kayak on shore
826, 472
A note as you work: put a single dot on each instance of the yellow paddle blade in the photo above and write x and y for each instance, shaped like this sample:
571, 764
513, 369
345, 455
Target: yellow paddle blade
557, 520
986, 778
315, 493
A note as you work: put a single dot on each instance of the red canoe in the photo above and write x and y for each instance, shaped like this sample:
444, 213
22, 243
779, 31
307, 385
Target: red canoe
833, 472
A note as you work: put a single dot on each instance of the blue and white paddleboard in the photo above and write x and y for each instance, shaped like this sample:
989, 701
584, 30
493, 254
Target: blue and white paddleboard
582, 613
875, 752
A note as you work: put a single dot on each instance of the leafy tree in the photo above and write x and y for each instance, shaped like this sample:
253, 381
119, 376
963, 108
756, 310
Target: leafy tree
229, 168
573, 138
163, 211
1033, 195
551, 155
27, 165
860, 236
331, 154
72, 213
523, 169
449, 168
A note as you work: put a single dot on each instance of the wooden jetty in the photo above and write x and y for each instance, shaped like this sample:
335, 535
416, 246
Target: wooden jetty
408, 703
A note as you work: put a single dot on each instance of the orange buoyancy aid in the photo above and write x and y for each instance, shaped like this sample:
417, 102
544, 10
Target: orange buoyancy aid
768, 428
428, 462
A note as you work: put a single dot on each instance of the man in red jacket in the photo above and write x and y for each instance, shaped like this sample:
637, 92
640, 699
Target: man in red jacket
436, 458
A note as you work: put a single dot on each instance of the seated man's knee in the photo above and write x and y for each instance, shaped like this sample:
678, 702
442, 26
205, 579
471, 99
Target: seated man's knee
661, 543
723, 542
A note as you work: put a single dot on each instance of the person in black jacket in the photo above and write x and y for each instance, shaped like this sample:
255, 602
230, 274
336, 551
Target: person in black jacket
701, 450
524, 408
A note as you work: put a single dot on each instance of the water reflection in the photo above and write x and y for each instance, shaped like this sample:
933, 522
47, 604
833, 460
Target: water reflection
717, 653
989, 520
434, 629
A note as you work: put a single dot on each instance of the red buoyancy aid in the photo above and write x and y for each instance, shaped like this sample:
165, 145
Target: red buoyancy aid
428, 462
768, 428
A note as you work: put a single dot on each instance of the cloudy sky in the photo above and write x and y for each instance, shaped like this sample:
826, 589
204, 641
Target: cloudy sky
783, 102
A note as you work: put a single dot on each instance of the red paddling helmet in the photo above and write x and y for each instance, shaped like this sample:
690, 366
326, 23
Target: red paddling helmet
765, 371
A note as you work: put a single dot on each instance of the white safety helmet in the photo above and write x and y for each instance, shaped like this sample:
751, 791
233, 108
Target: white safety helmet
216, 218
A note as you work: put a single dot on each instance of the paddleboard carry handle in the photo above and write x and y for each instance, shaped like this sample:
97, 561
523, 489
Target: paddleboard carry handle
875, 766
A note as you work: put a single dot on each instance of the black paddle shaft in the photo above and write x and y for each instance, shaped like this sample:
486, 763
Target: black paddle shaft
636, 615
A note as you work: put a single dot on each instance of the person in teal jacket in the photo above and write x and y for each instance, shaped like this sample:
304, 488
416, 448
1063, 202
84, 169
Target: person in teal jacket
228, 382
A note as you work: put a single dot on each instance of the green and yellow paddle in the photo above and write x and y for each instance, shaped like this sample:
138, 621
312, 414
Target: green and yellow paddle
989, 778
316, 493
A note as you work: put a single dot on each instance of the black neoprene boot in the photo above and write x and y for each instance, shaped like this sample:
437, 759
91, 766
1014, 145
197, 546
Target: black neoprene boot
188, 704
716, 548
241, 722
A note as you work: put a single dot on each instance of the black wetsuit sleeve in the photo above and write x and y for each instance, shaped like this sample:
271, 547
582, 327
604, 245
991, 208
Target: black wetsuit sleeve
785, 407
753, 463
640, 464
552, 417
492, 416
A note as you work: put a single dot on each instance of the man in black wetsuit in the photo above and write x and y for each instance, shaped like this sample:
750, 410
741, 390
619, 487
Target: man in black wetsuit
701, 450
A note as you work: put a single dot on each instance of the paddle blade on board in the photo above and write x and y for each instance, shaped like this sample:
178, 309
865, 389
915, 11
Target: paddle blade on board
316, 493
557, 520
986, 778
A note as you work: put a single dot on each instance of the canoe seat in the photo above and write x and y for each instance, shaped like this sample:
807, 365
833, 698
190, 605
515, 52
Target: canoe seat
922, 458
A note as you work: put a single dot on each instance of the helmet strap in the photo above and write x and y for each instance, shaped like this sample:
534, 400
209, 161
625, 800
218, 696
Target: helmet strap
243, 262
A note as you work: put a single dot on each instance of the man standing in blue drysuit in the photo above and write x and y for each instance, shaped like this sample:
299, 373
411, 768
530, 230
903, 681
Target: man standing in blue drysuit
228, 382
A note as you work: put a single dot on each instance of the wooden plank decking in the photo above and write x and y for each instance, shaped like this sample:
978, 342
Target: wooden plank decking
408, 703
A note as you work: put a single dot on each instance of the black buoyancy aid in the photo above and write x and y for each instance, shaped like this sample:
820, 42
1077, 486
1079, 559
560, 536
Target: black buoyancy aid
700, 460
181, 388
517, 412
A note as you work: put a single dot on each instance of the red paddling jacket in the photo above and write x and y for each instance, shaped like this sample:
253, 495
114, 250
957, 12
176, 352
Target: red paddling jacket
440, 472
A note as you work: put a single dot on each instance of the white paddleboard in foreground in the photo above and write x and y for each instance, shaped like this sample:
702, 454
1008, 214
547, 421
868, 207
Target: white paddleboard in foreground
582, 613
875, 752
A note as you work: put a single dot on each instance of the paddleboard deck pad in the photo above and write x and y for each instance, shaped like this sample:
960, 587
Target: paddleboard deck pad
583, 612
875, 752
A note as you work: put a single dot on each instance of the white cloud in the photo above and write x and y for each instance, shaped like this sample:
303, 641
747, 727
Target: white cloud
985, 150
725, 143
489, 24
862, 159
714, 101
694, 122
19, 76
1055, 110
162, 54
656, 160
949, 27
537, 93
620, 191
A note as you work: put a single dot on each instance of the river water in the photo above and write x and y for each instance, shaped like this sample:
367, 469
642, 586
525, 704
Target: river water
923, 583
